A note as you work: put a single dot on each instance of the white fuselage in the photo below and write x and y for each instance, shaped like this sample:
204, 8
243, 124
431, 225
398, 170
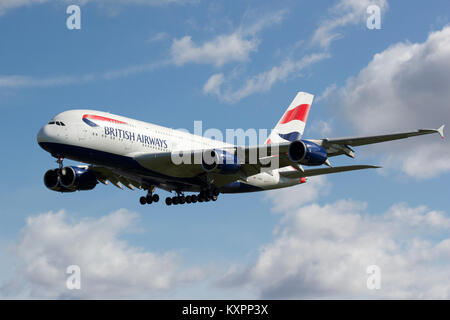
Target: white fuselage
114, 136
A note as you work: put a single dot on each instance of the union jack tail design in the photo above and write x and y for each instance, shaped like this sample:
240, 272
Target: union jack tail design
292, 123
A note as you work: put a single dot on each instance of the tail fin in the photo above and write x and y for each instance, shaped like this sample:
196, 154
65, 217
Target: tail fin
292, 123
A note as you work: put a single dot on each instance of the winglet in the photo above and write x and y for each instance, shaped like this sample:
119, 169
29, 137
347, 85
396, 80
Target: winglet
441, 131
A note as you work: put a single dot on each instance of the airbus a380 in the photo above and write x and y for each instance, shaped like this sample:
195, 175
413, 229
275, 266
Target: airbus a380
136, 154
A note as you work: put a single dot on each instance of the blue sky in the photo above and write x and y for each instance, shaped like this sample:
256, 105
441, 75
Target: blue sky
231, 64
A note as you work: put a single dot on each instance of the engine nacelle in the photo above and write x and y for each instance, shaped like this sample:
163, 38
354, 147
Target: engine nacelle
52, 181
77, 178
307, 153
220, 161
70, 179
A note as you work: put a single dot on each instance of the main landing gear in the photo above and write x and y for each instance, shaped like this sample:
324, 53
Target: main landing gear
149, 199
203, 196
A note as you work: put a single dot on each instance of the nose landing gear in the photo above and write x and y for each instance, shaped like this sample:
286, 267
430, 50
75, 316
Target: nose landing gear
60, 162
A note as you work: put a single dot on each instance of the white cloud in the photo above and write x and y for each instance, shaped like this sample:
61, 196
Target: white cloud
23, 81
12, 4
293, 197
158, 37
345, 12
326, 93
237, 47
420, 216
224, 48
405, 87
261, 82
110, 268
319, 128
423, 160
323, 252
213, 84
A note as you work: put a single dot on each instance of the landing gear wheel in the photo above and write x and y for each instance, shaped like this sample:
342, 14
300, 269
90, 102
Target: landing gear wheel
214, 198
143, 200
188, 199
194, 198
182, 200
155, 198
149, 198
168, 201
175, 200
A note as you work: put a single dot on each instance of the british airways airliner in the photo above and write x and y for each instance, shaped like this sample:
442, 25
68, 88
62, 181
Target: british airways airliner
136, 154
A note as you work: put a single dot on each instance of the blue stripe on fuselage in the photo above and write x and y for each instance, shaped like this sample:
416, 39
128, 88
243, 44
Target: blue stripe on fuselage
90, 123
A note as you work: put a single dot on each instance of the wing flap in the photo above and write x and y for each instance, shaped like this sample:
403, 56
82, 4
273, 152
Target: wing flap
105, 175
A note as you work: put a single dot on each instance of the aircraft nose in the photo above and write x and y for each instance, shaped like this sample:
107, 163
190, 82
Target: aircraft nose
43, 135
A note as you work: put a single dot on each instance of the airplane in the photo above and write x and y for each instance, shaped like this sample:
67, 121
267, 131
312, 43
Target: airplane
135, 154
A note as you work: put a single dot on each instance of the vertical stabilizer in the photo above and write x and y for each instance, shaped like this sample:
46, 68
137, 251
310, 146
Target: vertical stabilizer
292, 123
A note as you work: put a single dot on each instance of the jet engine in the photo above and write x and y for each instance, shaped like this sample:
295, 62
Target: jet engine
70, 179
307, 153
220, 161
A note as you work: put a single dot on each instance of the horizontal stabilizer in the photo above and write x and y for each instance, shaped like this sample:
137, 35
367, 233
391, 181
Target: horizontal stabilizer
317, 172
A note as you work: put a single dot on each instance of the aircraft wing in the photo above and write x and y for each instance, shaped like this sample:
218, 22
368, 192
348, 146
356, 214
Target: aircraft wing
338, 146
252, 160
256, 159
137, 179
106, 175
187, 173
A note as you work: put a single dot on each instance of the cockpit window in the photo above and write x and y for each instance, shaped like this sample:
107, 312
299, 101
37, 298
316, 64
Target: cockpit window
58, 123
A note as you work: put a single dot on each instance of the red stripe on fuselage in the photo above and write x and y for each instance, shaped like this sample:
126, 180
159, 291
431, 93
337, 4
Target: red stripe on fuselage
94, 117
300, 112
